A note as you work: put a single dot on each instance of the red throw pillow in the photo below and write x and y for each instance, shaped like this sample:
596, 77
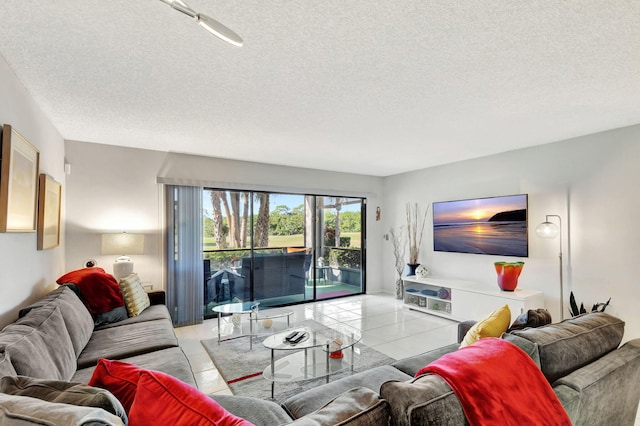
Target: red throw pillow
75, 276
163, 399
119, 378
100, 291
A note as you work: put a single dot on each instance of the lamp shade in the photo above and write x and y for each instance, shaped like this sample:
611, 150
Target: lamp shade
547, 230
123, 243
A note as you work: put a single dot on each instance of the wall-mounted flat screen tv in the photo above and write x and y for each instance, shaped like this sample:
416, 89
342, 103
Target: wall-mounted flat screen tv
495, 225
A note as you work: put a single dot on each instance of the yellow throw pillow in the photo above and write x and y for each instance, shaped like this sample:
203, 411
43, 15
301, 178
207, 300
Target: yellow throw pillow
135, 298
492, 326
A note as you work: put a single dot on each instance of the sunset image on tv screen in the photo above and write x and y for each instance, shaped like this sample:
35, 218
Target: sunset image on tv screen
496, 225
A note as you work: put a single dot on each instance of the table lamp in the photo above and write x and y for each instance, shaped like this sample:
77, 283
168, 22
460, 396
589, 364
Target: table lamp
123, 244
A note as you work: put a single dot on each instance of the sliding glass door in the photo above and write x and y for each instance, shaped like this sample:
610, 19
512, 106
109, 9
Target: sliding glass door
280, 258
280, 249
339, 268
226, 241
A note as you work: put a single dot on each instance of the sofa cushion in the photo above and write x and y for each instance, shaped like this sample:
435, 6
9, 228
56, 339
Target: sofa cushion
76, 317
63, 392
119, 378
171, 361
529, 347
573, 343
426, 400
152, 313
493, 325
127, 341
23, 410
356, 407
531, 318
6, 368
162, 399
135, 298
110, 317
39, 345
257, 411
309, 401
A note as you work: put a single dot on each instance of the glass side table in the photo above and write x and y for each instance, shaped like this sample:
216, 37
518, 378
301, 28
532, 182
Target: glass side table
318, 354
255, 315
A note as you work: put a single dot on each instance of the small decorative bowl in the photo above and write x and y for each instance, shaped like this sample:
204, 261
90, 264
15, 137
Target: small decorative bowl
422, 271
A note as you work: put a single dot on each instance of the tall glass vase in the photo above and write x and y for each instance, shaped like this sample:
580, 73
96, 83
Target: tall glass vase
399, 288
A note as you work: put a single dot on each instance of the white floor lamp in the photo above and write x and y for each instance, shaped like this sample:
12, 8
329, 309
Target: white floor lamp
549, 230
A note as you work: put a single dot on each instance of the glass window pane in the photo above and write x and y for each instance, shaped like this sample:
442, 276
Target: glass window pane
280, 248
340, 266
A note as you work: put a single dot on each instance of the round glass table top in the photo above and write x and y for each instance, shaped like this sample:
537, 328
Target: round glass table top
329, 339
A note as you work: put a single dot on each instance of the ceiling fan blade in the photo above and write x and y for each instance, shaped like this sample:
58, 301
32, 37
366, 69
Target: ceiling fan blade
182, 7
219, 30
207, 22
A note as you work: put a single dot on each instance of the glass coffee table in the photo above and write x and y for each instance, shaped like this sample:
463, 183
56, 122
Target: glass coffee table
255, 315
320, 353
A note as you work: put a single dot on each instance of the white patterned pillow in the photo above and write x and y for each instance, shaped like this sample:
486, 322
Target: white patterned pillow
135, 298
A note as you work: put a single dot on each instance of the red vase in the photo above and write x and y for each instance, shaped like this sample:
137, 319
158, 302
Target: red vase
508, 273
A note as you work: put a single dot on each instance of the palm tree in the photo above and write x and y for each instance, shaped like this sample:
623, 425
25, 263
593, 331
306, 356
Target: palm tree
261, 233
218, 230
243, 221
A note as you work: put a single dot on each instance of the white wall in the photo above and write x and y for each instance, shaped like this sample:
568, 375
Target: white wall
25, 272
113, 189
109, 190
591, 181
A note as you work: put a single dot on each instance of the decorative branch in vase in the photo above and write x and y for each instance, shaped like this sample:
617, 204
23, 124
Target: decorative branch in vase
412, 233
398, 254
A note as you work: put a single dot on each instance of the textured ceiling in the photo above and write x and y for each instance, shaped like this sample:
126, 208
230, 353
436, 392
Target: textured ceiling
372, 87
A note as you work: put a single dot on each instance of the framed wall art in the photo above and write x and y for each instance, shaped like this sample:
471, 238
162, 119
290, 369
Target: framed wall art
18, 182
49, 202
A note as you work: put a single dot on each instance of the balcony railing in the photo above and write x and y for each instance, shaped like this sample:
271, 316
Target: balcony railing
281, 275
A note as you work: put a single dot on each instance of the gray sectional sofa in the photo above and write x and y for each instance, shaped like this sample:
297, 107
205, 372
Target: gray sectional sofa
595, 378
55, 339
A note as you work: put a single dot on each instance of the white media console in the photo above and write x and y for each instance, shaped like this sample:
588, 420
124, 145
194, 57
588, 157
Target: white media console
465, 300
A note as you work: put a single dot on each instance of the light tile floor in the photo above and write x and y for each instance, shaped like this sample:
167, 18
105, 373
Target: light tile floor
384, 324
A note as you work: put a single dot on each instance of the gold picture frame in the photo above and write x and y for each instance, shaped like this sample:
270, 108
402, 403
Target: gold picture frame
19, 169
49, 204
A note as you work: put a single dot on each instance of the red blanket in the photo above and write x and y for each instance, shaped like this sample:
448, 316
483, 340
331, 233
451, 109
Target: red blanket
100, 291
498, 384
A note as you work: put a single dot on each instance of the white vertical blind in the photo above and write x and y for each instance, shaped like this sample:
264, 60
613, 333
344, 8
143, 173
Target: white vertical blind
185, 270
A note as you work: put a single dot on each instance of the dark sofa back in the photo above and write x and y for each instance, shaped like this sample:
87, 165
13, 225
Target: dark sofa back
573, 343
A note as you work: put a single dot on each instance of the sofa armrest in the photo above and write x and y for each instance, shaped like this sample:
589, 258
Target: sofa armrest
463, 327
427, 400
303, 403
157, 297
25, 410
355, 407
608, 388
411, 365
259, 412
